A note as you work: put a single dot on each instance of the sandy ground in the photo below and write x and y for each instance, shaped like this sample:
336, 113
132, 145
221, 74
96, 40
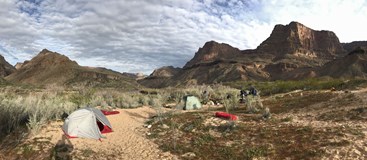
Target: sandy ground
128, 140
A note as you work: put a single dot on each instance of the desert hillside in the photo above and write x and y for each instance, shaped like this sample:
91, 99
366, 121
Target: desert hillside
51, 68
5, 67
291, 52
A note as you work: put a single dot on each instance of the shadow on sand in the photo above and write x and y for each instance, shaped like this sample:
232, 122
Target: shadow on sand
63, 149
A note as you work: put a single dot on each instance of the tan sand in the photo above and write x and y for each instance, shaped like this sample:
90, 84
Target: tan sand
128, 141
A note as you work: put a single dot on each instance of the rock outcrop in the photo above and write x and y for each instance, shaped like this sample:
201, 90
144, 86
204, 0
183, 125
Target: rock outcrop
161, 77
349, 47
213, 52
352, 65
297, 39
165, 72
5, 67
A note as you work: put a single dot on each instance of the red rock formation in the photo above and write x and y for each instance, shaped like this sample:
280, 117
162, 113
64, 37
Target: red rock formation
213, 51
292, 51
299, 40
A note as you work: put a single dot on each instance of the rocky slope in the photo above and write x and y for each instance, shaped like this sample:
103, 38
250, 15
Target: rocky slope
349, 47
5, 67
51, 68
161, 77
352, 65
213, 52
292, 51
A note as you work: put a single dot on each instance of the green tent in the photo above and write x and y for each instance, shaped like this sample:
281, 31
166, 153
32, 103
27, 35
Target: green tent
191, 102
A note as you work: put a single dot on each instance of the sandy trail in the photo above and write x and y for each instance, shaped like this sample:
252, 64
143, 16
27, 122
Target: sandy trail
128, 140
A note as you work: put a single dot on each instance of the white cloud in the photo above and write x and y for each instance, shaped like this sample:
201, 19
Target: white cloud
140, 36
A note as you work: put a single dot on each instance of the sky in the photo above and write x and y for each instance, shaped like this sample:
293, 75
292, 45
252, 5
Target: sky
138, 36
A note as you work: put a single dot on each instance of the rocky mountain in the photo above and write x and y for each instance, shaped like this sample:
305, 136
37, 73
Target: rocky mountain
136, 76
48, 68
349, 47
165, 72
213, 52
5, 67
352, 65
292, 51
160, 77
299, 40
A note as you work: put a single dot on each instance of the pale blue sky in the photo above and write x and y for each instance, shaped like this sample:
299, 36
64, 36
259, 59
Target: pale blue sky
142, 35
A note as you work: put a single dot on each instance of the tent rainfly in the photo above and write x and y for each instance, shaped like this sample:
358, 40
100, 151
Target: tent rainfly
86, 123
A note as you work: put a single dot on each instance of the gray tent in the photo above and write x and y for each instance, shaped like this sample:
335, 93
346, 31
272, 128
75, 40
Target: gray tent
86, 123
191, 102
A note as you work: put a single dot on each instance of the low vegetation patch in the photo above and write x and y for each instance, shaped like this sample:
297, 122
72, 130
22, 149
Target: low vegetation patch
296, 101
275, 87
346, 114
209, 137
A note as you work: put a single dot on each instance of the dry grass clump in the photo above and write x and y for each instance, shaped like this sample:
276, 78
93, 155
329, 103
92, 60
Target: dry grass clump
33, 109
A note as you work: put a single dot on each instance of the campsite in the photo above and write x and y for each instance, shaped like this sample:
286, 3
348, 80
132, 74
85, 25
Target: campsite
183, 80
315, 123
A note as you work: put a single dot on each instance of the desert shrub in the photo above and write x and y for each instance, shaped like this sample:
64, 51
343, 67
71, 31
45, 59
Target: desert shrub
129, 101
11, 116
120, 99
280, 86
34, 109
143, 100
82, 97
155, 102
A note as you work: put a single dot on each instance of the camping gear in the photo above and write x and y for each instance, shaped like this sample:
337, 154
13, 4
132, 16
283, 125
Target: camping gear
191, 102
86, 123
226, 115
109, 112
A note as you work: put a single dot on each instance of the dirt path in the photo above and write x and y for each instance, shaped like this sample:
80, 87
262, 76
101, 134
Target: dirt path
128, 140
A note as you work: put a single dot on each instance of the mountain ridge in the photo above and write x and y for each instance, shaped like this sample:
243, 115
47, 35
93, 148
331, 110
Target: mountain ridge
52, 68
292, 51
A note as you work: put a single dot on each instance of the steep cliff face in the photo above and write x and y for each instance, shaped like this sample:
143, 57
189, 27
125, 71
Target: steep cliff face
299, 40
5, 67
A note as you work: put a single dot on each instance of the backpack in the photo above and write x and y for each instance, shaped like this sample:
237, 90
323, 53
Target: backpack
253, 91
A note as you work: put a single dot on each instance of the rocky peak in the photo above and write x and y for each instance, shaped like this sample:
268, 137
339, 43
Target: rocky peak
44, 51
166, 71
48, 58
297, 39
213, 51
